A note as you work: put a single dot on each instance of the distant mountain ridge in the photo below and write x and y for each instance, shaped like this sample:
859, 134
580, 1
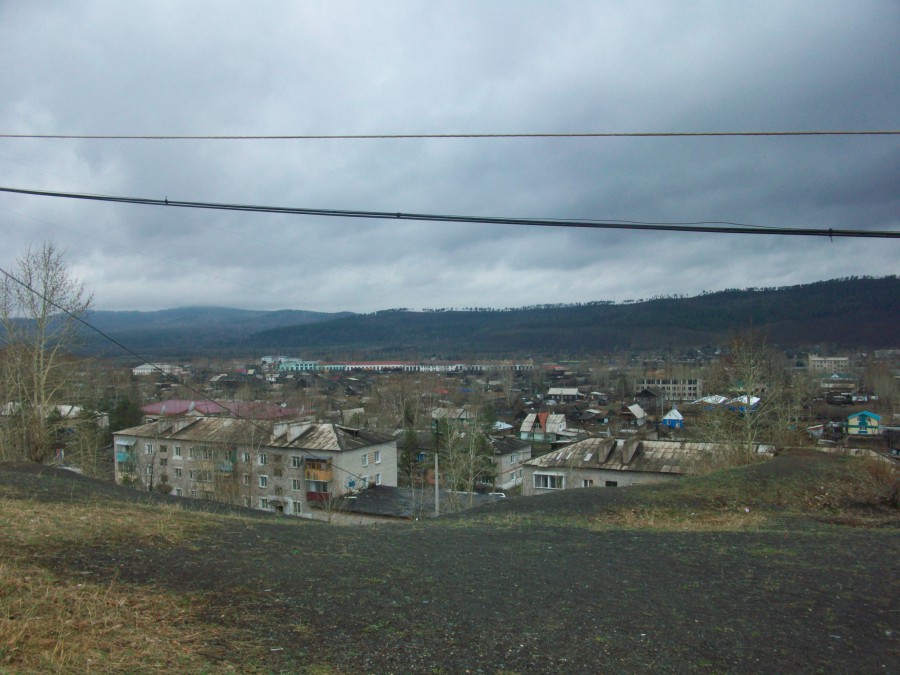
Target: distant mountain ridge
191, 330
854, 313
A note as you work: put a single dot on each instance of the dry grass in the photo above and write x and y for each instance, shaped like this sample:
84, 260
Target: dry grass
860, 491
671, 520
54, 624
36, 523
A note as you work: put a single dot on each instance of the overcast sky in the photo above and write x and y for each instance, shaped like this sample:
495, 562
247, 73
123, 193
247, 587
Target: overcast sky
333, 67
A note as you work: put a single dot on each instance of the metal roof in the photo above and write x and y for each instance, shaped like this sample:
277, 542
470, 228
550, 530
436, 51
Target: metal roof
674, 457
294, 434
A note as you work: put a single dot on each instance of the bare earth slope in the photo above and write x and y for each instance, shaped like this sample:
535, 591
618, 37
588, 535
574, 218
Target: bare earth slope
543, 585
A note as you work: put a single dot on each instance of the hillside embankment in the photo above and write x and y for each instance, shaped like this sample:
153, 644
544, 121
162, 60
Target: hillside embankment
786, 566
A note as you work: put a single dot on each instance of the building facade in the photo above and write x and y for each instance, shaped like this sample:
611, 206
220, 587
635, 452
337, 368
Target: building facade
828, 364
674, 388
510, 455
611, 462
269, 465
863, 423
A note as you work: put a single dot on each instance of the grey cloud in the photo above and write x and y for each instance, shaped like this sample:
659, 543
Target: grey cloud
357, 67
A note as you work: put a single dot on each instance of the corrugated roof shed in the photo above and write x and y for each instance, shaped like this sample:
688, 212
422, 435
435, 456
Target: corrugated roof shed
605, 453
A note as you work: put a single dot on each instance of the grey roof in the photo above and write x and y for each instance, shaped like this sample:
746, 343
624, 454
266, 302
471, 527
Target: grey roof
605, 453
383, 500
288, 434
555, 422
506, 445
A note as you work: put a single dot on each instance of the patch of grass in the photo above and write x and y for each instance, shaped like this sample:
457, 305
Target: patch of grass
51, 623
678, 520
804, 486
768, 551
319, 669
845, 490
48, 525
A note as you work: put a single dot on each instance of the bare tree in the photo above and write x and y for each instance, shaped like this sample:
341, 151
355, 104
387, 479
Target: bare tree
466, 457
40, 305
765, 408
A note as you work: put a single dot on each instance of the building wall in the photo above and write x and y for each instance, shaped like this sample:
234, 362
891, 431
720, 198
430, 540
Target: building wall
675, 389
509, 468
295, 366
828, 364
257, 477
575, 477
353, 465
862, 425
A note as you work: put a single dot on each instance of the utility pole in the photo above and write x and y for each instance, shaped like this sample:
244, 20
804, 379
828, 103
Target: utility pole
436, 426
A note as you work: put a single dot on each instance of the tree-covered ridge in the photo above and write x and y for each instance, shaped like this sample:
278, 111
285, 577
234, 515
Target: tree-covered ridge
852, 312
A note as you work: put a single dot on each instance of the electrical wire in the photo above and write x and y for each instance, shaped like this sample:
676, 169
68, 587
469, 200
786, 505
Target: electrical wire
357, 137
709, 227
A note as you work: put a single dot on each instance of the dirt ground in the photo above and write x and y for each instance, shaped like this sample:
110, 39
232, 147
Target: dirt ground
471, 594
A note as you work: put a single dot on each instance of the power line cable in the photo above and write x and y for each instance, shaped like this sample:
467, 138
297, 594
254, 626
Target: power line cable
356, 137
193, 221
708, 227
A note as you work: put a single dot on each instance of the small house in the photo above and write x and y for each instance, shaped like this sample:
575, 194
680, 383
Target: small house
673, 419
863, 423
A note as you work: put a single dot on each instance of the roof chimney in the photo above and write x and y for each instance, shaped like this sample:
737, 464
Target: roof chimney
630, 449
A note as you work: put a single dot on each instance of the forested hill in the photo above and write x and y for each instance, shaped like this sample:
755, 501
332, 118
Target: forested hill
860, 313
188, 331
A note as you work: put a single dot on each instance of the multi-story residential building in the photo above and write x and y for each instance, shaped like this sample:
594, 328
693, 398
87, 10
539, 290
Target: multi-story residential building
269, 465
283, 363
674, 388
828, 364
510, 454
295, 365
156, 369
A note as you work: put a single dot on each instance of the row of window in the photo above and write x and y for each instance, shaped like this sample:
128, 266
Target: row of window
651, 382
262, 459
297, 484
546, 481
193, 453
376, 456
265, 505
197, 475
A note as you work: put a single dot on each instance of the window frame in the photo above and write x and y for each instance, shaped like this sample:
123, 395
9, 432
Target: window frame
548, 481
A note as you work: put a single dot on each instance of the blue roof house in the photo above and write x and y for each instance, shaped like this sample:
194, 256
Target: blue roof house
673, 419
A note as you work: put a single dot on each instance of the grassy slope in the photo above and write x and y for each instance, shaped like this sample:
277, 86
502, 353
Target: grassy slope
672, 577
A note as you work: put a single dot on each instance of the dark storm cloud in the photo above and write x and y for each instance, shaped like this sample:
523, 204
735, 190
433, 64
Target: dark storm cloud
448, 67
